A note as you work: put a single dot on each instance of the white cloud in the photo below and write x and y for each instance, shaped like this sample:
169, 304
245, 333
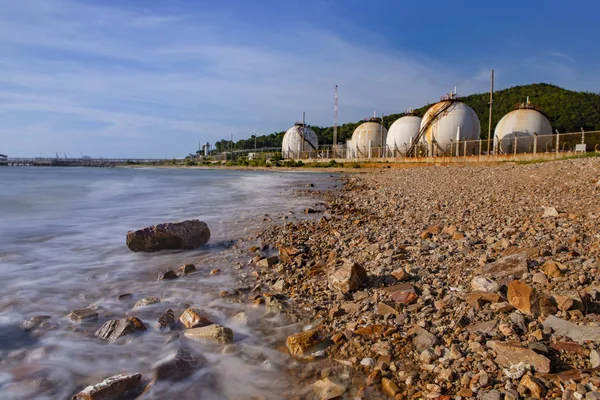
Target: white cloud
157, 84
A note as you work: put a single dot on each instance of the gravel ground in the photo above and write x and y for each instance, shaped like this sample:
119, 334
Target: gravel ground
443, 282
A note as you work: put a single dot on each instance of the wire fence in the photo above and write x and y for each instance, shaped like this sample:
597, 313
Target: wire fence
517, 146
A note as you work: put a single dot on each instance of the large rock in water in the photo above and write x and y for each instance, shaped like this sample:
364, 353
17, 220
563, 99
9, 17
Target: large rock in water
185, 235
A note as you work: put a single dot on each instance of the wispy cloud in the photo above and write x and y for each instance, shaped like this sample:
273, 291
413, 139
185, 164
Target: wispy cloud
99, 79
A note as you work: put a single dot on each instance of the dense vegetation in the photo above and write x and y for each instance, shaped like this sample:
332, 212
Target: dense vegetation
567, 110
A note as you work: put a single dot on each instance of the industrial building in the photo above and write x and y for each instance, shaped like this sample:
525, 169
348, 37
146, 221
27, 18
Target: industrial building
300, 141
368, 140
521, 127
401, 135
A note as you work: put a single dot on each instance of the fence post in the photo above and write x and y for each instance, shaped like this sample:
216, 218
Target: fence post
557, 146
479, 149
515, 146
465, 149
535, 143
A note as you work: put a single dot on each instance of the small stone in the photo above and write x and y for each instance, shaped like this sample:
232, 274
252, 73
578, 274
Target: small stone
177, 366
34, 322
594, 359
115, 329
215, 333
539, 278
167, 275
535, 389
268, 262
84, 314
389, 387
521, 297
515, 265
479, 299
166, 321
423, 339
327, 389
215, 271
483, 284
552, 269
241, 318
303, 343
374, 378
186, 269
347, 277
367, 362
124, 296
446, 374
400, 275
146, 301
550, 212
427, 356
115, 387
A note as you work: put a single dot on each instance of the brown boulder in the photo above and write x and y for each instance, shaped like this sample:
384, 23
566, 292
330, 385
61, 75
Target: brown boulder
522, 297
194, 318
303, 343
185, 235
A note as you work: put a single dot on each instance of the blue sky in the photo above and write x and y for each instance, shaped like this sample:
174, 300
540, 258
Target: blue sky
152, 78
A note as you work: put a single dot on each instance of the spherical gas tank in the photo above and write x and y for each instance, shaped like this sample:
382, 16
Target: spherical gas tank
368, 140
298, 144
447, 122
402, 133
522, 124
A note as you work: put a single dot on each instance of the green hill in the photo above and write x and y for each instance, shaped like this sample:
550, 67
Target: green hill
567, 110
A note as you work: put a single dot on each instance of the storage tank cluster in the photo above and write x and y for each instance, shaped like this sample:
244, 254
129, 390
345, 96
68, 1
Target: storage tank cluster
300, 140
448, 128
520, 127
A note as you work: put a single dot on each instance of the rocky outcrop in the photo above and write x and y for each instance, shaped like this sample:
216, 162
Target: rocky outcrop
195, 318
117, 328
212, 333
185, 235
177, 366
116, 387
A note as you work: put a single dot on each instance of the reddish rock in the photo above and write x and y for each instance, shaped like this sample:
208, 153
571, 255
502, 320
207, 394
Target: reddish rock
479, 299
522, 297
509, 354
303, 343
347, 277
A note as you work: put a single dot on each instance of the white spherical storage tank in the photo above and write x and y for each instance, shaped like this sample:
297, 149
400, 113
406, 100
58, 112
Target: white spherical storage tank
523, 125
368, 140
449, 122
401, 134
298, 144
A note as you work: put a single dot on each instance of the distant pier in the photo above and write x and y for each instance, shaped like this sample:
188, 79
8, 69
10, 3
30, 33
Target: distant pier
80, 162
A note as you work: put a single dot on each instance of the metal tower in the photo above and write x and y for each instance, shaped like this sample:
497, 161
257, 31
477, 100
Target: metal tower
335, 115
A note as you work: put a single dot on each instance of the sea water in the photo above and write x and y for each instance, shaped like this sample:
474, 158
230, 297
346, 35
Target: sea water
62, 247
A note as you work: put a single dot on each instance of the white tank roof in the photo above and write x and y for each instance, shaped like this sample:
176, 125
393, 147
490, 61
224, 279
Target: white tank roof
368, 134
403, 131
522, 124
293, 141
456, 118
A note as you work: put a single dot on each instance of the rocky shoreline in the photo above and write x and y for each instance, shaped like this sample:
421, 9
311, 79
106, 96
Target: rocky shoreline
442, 283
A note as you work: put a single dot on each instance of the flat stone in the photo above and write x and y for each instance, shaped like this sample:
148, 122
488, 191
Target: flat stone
146, 301
535, 389
570, 347
550, 212
327, 389
384, 309
509, 354
522, 297
479, 299
115, 387
84, 314
513, 265
577, 333
484, 284
594, 359
214, 333
195, 318
485, 327
552, 269
423, 339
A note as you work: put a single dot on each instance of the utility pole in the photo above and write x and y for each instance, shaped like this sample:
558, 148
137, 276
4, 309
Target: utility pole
491, 106
335, 116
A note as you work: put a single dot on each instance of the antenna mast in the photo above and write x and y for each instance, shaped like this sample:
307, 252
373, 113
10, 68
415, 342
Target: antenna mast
335, 116
491, 105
